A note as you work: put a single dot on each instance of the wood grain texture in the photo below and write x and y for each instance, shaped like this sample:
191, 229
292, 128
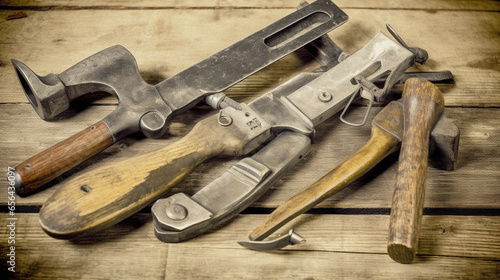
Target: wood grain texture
259, 4
478, 163
337, 246
39, 256
106, 195
423, 103
169, 36
159, 39
385, 137
51, 163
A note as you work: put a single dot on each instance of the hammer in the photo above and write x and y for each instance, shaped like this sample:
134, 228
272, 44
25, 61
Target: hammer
149, 108
389, 129
421, 111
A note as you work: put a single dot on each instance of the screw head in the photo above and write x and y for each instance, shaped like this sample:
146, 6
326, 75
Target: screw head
325, 96
224, 120
176, 212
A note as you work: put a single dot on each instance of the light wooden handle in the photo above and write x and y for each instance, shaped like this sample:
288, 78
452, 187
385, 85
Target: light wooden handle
51, 163
377, 148
107, 195
423, 103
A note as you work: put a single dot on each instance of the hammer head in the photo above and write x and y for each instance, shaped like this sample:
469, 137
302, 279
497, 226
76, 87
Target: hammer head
46, 94
113, 70
443, 150
106, 71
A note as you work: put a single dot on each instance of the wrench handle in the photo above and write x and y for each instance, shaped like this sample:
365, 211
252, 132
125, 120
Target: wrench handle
423, 103
106, 195
54, 161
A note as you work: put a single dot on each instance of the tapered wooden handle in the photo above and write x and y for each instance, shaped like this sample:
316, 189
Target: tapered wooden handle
51, 163
423, 103
106, 195
381, 144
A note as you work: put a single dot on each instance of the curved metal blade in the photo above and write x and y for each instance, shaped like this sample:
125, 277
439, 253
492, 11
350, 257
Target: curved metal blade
292, 238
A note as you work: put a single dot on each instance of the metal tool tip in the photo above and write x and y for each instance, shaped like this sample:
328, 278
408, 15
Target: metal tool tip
292, 238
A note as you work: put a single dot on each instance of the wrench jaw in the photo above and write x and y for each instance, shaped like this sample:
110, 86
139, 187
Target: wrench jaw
175, 216
179, 217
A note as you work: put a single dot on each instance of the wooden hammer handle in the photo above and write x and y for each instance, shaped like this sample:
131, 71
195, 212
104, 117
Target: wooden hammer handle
54, 161
381, 144
104, 196
422, 103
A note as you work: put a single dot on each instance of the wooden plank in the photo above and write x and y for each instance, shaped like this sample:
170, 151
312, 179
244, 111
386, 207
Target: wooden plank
260, 4
166, 47
338, 246
165, 42
376, 187
168, 36
473, 185
129, 249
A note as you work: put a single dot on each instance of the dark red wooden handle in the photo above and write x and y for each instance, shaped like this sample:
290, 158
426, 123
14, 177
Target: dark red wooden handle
51, 163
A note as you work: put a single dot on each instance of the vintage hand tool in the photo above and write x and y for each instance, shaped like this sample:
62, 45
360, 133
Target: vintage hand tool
179, 217
421, 100
147, 108
421, 111
106, 195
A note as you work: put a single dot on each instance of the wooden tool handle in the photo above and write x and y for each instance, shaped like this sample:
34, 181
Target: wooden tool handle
104, 196
423, 103
51, 163
380, 145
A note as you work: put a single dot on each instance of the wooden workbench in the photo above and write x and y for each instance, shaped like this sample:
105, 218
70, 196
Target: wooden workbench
346, 234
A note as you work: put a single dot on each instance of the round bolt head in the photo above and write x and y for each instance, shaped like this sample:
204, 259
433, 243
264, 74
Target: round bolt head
224, 120
176, 212
325, 96
152, 124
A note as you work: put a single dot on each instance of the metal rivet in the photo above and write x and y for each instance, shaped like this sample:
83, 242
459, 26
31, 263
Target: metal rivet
176, 212
152, 124
224, 120
27, 166
325, 96
85, 188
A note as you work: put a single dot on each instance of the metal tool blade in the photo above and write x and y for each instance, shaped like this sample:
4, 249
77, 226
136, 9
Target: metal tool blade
229, 66
292, 238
